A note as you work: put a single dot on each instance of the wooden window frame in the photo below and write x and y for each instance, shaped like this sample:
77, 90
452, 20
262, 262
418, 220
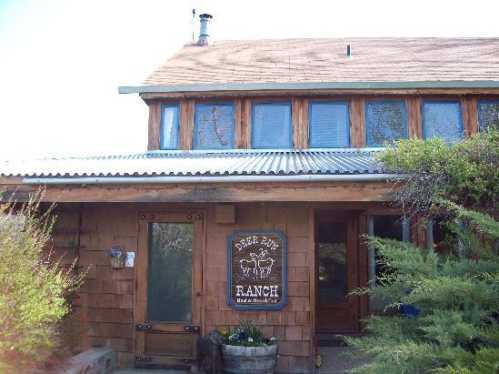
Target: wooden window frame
480, 101
461, 115
235, 115
348, 124
368, 101
254, 103
163, 106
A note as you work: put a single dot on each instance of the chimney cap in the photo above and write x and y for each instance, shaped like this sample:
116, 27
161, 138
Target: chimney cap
205, 15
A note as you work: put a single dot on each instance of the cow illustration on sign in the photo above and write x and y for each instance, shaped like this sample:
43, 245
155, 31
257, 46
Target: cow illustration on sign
258, 266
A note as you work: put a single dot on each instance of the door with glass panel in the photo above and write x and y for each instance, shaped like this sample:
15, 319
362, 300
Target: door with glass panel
336, 247
169, 286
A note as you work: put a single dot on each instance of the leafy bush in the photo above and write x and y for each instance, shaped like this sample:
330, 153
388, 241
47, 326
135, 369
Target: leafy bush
34, 287
464, 173
443, 308
247, 335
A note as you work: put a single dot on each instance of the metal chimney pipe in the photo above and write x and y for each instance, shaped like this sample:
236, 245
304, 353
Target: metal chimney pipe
204, 36
349, 50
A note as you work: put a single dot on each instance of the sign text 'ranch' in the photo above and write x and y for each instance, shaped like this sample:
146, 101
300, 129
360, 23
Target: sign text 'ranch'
257, 270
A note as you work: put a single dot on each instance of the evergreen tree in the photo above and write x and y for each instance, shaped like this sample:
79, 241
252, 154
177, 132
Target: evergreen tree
442, 312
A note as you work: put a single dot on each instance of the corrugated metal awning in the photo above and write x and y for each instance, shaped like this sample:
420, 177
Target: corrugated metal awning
202, 163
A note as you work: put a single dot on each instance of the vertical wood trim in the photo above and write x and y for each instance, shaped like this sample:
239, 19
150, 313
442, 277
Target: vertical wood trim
312, 255
414, 120
296, 122
305, 123
140, 305
154, 126
238, 125
469, 107
357, 124
246, 123
186, 123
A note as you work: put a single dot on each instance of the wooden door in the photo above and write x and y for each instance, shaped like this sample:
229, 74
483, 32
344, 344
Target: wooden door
169, 286
336, 242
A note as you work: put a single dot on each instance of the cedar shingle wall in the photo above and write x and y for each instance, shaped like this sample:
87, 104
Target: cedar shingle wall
293, 325
105, 303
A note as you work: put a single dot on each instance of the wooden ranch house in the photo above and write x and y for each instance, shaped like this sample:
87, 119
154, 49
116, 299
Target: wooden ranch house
259, 178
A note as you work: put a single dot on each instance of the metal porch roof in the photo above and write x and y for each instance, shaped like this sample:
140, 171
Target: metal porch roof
202, 163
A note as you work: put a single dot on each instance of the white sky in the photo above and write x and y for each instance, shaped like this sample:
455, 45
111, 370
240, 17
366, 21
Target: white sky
61, 61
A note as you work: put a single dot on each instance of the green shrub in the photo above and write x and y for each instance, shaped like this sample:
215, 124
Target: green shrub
443, 308
33, 289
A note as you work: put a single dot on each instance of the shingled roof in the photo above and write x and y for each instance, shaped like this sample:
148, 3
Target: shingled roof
324, 60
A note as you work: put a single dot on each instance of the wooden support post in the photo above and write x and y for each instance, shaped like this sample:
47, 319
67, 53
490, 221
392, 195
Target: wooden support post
246, 124
186, 124
357, 127
154, 126
470, 116
414, 120
299, 123
238, 131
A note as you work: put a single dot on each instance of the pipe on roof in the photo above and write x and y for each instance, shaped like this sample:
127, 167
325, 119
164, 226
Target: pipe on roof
217, 179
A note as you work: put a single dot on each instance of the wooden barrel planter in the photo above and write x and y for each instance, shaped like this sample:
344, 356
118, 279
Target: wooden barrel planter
249, 360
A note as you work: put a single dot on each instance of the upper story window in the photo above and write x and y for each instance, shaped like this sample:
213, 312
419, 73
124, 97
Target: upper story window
442, 119
271, 125
213, 126
386, 121
169, 133
329, 124
488, 114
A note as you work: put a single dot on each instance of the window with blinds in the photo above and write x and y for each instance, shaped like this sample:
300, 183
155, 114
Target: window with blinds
213, 126
271, 125
488, 115
329, 125
386, 121
169, 134
442, 119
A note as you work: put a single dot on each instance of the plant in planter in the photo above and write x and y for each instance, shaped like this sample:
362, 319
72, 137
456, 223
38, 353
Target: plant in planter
246, 350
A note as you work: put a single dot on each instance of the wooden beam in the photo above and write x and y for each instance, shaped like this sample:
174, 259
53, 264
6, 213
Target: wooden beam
321, 92
469, 107
238, 125
154, 126
300, 127
413, 105
246, 124
219, 193
186, 123
357, 127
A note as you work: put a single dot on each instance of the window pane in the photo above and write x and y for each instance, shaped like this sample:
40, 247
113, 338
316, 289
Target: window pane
214, 126
386, 121
442, 120
488, 115
388, 227
271, 125
169, 127
329, 125
333, 280
170, 272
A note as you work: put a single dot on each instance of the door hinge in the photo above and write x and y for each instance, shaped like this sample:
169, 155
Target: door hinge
191, 328
143, 327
